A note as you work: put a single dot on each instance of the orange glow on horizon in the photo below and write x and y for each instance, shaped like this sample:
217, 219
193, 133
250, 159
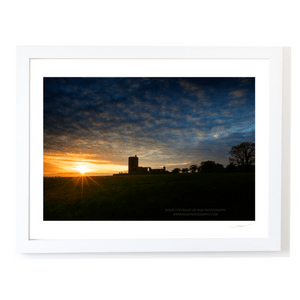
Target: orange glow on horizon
73, 165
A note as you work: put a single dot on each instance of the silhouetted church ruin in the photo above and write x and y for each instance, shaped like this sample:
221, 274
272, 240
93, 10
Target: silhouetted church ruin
133, 167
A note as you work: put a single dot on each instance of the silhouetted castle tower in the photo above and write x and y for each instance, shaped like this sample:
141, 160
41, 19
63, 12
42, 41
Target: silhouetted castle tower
133, 164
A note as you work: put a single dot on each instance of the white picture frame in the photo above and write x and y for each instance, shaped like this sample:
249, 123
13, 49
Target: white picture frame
26, 244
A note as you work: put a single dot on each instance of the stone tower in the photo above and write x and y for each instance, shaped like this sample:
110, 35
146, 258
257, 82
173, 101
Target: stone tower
133, 164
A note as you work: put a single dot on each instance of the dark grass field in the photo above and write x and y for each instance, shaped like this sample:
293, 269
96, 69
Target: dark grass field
224, 196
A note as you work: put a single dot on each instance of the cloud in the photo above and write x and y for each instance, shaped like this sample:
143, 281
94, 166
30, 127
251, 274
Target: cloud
237, 102
237, 93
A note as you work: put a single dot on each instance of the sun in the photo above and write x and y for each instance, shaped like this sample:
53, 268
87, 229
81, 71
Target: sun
81, 169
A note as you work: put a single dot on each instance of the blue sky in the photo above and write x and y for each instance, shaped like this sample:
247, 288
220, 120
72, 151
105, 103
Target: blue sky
172, 122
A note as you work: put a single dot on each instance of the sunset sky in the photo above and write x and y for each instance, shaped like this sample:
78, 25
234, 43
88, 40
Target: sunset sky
95, 124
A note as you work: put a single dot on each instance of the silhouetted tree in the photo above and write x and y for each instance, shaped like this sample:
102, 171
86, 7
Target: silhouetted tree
176, 170
193, 168
243, 154
210, 166
231, 168
185, 170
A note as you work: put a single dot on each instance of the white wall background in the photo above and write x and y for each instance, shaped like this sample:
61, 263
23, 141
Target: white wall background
144, 276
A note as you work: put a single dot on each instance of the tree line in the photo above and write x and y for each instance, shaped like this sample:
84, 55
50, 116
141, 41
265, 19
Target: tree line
242, 159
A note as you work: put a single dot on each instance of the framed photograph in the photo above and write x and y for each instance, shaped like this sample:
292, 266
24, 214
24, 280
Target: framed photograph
148, 149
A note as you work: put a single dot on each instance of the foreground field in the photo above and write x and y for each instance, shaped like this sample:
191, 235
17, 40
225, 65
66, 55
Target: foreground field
196, 196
